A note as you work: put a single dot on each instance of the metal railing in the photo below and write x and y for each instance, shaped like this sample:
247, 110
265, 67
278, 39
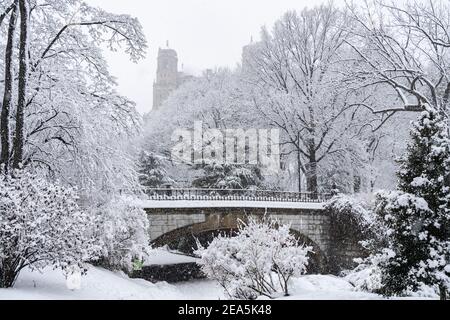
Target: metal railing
173, 194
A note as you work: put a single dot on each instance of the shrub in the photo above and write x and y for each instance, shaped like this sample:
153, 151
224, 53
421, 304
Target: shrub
123, 233
259, 261
41, 225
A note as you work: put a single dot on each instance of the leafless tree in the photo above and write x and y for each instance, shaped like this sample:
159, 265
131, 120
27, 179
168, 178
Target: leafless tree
404, 48
297, 72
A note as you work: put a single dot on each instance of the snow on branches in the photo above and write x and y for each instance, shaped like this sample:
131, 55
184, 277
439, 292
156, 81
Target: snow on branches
259, 261
349, 210
402, 47
123, 233
75, 124
71, 123
229, 176
41, 225
417, 216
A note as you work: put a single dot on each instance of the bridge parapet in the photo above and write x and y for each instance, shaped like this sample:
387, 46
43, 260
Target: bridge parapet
168, 194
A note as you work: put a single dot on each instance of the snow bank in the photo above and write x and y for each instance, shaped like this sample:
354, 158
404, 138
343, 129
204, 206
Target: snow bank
101, 284
98, 284
325, 287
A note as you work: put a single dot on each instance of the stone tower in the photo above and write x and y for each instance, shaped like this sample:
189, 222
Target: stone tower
166, 76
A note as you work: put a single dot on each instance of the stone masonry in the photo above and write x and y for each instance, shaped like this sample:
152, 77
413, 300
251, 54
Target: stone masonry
163, 223
168, 225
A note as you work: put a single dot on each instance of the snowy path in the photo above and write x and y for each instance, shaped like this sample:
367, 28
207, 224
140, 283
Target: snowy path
101, 284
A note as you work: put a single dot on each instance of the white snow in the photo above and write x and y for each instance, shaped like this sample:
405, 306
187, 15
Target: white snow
162, 256
321, 287
74, 279
98, 284
419, 182
166, 204
101, 284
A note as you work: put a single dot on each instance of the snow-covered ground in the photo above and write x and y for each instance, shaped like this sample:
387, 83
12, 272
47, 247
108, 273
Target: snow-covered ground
163, 256
100, 284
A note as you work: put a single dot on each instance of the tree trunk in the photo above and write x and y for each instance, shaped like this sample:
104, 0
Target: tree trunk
443, 293
311, 169
311, 178
299, 170
8, 273
6, 106
23, 77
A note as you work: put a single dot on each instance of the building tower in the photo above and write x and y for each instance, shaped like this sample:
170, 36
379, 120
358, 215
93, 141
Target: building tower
248, 53
166, 76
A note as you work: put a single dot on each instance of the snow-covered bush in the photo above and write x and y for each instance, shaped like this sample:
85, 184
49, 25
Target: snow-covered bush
350, 212
259, 261
367, 275
41, 225
364, 278
123, 232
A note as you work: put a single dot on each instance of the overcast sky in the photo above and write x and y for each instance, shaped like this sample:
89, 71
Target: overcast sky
205, 33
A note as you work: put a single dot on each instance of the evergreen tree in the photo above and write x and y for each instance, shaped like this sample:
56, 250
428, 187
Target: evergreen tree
417, 216
227, 176
151, 171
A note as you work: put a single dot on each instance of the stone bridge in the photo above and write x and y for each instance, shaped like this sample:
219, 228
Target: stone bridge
177, 221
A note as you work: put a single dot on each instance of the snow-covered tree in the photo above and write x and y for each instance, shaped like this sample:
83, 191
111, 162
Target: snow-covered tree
417, 216
404, 48
75, 123
41, 225
259, 261
251, 98
228, 176
62, 114
152, 173
123, 233
296, 75
218, 100
215, 98
382, 149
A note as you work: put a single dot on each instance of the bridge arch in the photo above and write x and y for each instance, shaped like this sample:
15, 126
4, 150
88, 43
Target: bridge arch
184, 239
172, 217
